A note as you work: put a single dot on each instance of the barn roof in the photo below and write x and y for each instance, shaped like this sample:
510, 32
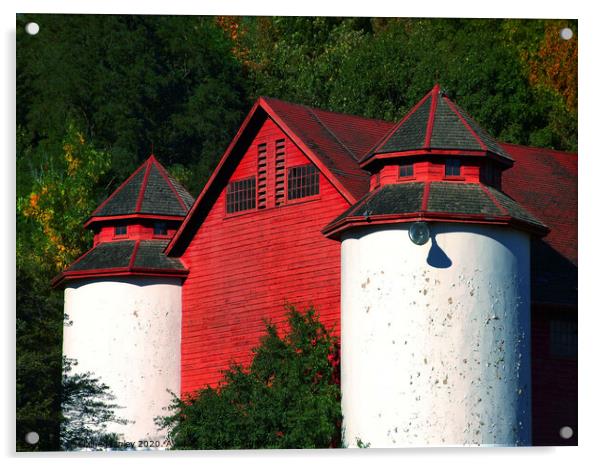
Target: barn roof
436, 122
545, 181
150, 190
115, 258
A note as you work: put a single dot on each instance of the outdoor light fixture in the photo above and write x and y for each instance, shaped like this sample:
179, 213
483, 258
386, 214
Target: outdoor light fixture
419, 233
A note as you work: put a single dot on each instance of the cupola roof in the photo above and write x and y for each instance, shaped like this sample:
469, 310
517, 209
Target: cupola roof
436, 123
150, 190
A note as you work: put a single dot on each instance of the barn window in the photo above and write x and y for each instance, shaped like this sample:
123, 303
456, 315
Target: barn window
160, 228
563, 338
240, 195
452, 167
121, 230
303, 181
406, 170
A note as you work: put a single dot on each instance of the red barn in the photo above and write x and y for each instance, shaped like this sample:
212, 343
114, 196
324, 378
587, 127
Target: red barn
260, 234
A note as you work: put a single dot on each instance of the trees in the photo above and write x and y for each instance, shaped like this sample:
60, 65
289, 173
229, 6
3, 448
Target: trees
56, 191
289, 397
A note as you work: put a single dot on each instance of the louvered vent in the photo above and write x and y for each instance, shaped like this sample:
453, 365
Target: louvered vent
262, 175
280, 172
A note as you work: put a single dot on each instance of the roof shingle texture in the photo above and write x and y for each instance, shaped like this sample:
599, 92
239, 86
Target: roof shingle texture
118, 254
452, 128
444, 197
150, 190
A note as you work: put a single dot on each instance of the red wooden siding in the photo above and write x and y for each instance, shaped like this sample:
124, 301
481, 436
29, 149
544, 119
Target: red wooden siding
135, 230
246, 266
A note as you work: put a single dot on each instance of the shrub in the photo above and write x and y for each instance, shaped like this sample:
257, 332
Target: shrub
289, 396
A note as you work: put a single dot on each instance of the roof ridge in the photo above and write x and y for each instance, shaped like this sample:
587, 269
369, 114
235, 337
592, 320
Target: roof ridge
134, 252
119, 188
536, 148
165, 175
502, 209
431, 120
454, 109
144, 184
394, 129
319, 120
296, 104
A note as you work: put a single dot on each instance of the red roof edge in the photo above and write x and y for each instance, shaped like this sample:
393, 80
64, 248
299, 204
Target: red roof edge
114, 193
165, 175
464, 122
201, 197
334, 230
144, 183
116, 272
111, 218
382, 141
431, 120
264, 105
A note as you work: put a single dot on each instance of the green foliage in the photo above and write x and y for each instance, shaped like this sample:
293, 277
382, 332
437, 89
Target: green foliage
87, 409
289, 397
131, 83
56, 193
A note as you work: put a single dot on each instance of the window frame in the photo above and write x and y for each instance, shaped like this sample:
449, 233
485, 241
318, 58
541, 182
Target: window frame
160, 235
120, 235
313, 195
560, 339
252, 199
455, 161
402, 166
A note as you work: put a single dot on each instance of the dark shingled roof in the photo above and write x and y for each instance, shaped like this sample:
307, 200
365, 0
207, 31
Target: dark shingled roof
149, 190
115, 257
435, 122
480, 202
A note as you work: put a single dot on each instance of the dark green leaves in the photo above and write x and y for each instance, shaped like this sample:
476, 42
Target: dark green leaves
288, 398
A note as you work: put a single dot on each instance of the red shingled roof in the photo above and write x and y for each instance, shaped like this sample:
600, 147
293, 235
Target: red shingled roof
545, 182
339, 140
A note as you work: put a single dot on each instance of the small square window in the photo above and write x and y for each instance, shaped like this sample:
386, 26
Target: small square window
406, 170
240, 195
563, 338
303, 181
160, 229
452, 167
121, 230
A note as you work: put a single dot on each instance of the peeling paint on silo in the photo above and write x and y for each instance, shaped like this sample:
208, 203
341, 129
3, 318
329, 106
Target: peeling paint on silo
462, 374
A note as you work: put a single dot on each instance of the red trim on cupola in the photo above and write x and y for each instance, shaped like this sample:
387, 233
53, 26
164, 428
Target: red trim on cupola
493, 199
117, 272
134, 252
114, 193
112, 218
165, 176
333, 231
431, 120
454, 109
144, 183
384, 139
425, 196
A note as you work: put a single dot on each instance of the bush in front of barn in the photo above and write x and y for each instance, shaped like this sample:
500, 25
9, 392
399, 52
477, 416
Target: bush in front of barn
289, 396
